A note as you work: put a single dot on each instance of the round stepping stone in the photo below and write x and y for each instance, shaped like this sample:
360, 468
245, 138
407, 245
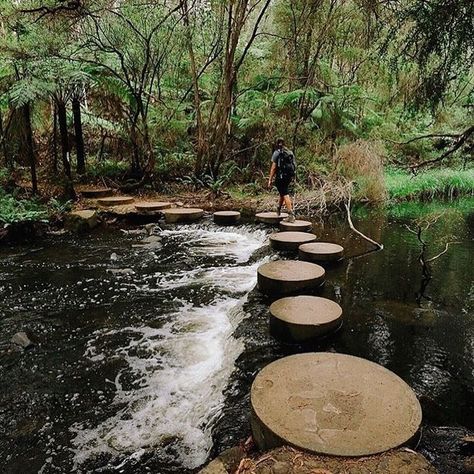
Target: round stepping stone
152, 206
290, 240
284, 277
320, 252
95, 192
333, 404
115, 200
226, 217
302, 318
182, 214
297, 226
271, 218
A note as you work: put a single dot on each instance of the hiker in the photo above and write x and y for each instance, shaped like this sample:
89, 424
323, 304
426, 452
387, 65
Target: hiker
284, 170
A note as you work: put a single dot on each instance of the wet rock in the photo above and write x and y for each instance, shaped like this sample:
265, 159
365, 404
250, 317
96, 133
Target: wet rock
121, 271
469, 465
227, 461
81, 221
113, 257
21, 339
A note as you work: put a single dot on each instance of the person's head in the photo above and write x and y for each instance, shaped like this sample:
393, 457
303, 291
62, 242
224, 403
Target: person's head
280, 143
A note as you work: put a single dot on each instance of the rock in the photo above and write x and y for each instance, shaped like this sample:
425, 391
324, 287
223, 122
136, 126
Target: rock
182, 215
469, 465
113, 257
151, 239
228, 461
321, 252
281, 467
332, 404
289, 240
152, 206
121, 271
91, 192
21, 339
297, 226
115, 200
81, 221
270, 218
226, 217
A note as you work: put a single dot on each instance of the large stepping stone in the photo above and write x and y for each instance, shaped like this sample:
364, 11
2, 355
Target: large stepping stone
151, 206
321, 252
94, 193
290, 241
286, 277
332, 404
297, 226
182, 215
226, 217
271, 218
115, 200
303, 318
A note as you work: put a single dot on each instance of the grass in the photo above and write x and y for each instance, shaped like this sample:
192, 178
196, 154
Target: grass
427, 185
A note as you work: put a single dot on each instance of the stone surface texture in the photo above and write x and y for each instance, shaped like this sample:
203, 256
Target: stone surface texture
94, 193
271, 218
332, 404
290, 241
226, 217
321, 252
301, 318
115, 200
152, 206
286, 460
285, 277
182, 214
81, 221
298, 226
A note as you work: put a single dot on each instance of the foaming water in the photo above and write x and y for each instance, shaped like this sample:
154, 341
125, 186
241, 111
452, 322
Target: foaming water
170, 390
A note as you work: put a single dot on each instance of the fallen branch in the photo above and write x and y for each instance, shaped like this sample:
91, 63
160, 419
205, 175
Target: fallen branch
443, 252
347, 205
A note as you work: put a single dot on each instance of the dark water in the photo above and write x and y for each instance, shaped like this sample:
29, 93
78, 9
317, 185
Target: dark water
144, 357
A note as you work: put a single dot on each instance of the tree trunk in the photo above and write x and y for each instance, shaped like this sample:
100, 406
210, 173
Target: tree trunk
3, 138
55, 140
81, 156
26, 109
62, 121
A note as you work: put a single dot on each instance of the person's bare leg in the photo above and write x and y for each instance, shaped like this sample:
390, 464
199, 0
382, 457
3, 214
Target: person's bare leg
280, 204
288, 203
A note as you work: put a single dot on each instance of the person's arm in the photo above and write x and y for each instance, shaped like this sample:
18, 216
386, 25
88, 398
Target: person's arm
272, 174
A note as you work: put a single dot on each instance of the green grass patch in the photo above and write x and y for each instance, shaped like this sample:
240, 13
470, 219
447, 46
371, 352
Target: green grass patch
443, 183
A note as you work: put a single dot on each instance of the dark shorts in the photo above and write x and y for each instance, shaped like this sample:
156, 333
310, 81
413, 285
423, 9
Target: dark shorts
283, 186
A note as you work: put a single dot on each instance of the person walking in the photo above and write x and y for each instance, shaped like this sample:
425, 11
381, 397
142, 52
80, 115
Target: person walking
283, 169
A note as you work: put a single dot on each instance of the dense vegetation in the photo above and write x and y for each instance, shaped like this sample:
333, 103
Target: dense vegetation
194, 93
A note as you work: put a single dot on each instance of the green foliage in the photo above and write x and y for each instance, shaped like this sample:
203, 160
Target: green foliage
107, 168
16, 210
429, 184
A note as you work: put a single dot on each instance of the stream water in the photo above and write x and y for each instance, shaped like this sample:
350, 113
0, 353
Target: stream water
145, 355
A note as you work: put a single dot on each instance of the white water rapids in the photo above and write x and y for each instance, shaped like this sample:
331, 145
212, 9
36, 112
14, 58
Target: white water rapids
181, 368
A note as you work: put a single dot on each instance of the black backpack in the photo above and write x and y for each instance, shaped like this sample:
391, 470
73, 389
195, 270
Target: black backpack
286, 168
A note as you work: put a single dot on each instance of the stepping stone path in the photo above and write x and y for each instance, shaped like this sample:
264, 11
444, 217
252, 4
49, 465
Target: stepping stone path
182, 215
302, 318
271, 218
226, 217
290, 241
115, 200
94, 193
332, 404
285, 277
297, 226
152, 206
321, 252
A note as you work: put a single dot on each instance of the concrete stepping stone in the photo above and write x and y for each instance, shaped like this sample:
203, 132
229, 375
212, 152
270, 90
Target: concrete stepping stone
297, 226
182, 215
271, 218
150, 206
321, 252
226, 217
290, 241
303, 318
332, 404
286, 277
115, 200
94, 193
